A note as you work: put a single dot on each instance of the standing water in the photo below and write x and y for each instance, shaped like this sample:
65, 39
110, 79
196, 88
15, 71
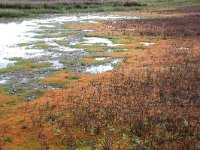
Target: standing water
49, 40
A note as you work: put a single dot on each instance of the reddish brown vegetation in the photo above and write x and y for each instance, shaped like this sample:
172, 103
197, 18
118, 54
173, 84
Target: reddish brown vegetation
185, 10
165, 27
154, 104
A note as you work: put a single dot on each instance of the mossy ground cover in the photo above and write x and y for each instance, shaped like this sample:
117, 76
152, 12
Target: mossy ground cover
91, 48
61, 79
94, 62
23, 64
62, 43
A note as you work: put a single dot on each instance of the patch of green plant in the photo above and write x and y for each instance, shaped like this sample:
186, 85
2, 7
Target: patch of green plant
56, 84
83, 64
100, 62
24, 44
42, 45
23, 64
98, 35
53, 35
11, 103
118, 50
70, 62
96, 55
73, 77
91, 48
53, 117
4, 114
30, 94
21, 120
8, 139
23, 94
62, 43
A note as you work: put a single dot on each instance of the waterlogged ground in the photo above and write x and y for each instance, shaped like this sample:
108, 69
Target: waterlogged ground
33, 49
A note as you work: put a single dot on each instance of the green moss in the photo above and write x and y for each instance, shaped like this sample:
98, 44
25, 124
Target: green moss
57, 85
43, 46
53, 117
8, 139
74, 78
100, 62
62, 43
24, 65
30, 94
11, 103
63, 34
118, 50
91, 48
21, 120
24, 44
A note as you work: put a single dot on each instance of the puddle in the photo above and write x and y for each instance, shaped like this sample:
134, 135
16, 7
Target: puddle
170, 67
14, 33
101, 58
21, 39
146, 43
99, 69
185, 49
96, 40
3, 81
56, 64
103, 68
88, 30
5, 63
13, 52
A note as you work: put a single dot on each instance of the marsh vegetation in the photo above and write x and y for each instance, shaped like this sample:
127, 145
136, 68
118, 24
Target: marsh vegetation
110, 81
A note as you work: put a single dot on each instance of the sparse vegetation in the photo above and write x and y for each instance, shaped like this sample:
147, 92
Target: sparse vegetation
63, 43
8, 139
